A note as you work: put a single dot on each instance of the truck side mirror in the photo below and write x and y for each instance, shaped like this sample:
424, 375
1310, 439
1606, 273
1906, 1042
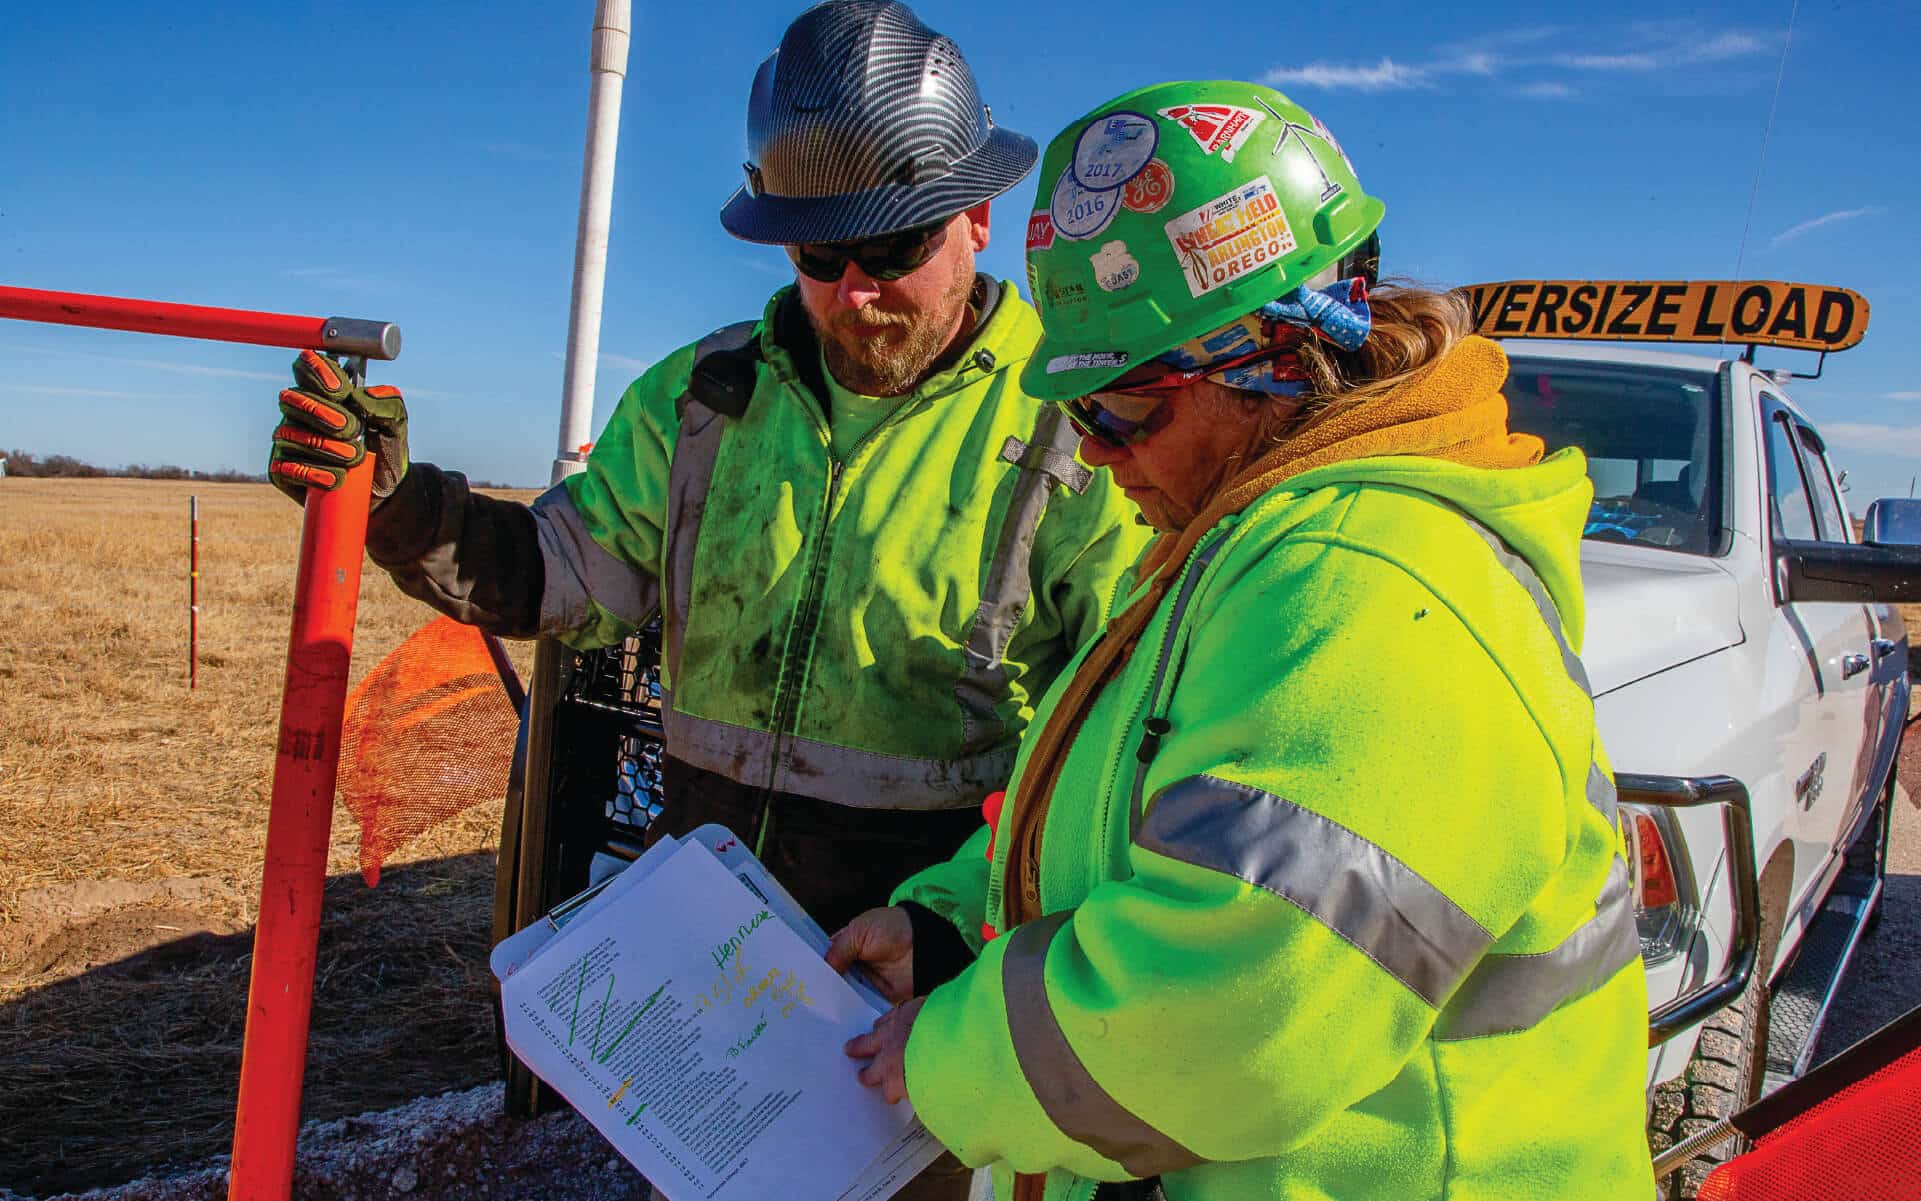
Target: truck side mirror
1892, 522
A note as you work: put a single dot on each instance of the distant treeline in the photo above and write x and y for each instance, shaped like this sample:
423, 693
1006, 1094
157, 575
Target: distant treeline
28, 465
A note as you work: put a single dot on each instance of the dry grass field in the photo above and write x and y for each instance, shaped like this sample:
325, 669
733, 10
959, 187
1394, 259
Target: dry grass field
132, 827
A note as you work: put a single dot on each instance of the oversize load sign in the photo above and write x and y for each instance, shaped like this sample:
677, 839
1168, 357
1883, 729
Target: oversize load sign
1761, 312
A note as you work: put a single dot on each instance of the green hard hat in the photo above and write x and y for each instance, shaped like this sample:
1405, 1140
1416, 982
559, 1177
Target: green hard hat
1172, 210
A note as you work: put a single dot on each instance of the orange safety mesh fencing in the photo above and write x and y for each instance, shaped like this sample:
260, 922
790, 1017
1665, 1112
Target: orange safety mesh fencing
428, 733
1863, 1143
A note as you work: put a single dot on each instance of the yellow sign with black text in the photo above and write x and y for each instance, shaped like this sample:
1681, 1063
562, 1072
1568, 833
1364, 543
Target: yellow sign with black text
1746, 312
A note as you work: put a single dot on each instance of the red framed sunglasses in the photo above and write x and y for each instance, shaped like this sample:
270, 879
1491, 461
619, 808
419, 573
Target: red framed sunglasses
1134, 407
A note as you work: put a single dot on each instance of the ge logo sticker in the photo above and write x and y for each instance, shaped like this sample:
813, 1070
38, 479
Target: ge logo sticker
1113, 149
1149, 191
1080, 212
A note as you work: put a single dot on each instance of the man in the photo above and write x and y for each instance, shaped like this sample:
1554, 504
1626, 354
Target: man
871, 549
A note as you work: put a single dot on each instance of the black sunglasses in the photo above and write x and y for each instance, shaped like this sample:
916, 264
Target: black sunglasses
887, 257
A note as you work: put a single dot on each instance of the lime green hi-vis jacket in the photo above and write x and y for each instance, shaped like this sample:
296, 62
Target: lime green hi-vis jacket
1359, 929
871, 630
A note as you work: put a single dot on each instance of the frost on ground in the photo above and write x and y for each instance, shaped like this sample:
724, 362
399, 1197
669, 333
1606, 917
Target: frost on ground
458, 1146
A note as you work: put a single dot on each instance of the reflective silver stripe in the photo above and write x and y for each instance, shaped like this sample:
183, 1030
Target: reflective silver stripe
689, 478
1524, 572
579, 570
1051, 453
1601, 794
846, 776
1072, 1098
1507, 993
1008, 583
1194, 573
1350, 885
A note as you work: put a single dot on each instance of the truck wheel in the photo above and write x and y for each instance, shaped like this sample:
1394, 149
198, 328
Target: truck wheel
1723, 1077
1730, 1059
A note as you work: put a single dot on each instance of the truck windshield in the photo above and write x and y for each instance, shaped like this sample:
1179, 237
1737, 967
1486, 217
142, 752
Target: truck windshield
1652, 439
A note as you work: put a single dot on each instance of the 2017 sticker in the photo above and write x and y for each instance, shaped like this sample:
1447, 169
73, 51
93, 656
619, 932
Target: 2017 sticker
1221, 127
1080, 213
1086, 360
1149, 191
1113, 149
1114, 268
1234, 233
1040, 231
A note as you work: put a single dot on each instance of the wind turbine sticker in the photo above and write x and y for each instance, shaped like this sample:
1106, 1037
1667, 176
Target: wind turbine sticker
1300, 133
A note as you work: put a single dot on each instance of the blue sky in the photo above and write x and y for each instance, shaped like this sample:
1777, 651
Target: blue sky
419, 162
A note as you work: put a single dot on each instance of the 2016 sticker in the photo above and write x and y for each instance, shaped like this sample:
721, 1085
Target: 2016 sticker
1221, 127
1149, 191
1113, 149
1114, 267
1087, 360
1080, 213
1229, 236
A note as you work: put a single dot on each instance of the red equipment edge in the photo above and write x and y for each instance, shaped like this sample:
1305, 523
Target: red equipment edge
342, 335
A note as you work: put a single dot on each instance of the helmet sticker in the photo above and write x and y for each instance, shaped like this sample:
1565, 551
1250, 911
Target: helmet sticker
1221, 127
1149, 191
1080, 213
1040, 231
1300, 133
1087, 360
1113, 149
1114, 268
1229, 236
1065, 295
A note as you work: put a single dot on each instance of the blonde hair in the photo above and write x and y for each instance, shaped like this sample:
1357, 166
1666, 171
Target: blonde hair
1414, 328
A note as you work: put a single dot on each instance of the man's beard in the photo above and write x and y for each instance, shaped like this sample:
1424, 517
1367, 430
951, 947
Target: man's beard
890, 364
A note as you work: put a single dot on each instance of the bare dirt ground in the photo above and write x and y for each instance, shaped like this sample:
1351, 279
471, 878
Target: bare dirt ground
132, 826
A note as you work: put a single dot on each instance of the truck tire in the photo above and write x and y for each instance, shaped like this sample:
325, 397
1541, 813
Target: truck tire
1730, 1059
1722, 1077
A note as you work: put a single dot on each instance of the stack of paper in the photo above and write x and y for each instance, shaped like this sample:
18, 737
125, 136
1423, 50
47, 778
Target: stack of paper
683, 1006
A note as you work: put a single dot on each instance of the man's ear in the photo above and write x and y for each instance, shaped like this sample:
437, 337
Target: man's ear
977, 224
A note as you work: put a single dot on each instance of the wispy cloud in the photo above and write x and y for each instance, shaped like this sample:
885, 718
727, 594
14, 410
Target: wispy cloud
93, 393
1383, 76
346, 279
1794, 231
766, 264
1503, 53
625, 362
518, 151
1881, 439
1904, 396
147, 364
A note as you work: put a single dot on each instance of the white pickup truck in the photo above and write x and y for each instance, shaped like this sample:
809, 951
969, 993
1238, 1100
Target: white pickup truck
1749, 679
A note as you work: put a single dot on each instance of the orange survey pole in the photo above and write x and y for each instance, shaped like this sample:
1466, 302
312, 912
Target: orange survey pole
273, 1059
333, 537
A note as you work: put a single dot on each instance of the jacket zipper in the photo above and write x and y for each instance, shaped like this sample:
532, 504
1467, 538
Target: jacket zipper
1154, 728
787, 701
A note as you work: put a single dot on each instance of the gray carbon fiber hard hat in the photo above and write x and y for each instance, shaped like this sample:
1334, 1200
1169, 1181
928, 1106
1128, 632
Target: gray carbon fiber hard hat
867, 122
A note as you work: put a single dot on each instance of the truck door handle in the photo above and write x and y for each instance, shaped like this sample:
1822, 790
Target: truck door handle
1883, 647
1853, 665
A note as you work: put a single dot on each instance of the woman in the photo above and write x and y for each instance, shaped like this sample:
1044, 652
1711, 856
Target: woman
1309, 884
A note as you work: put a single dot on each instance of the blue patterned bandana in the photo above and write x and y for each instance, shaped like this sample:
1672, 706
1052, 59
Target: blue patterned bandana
1337, 313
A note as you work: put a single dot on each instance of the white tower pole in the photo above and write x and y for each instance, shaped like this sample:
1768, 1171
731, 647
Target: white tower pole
612, 21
